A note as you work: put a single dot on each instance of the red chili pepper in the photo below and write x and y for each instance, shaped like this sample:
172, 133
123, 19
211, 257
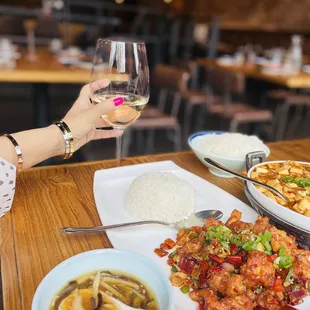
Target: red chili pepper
170, 242
187, 264
201, 306
202, 281
196, 229
160, 252
170, 262
288, 308
183, 263
216, 258
203, 269
298, 294
234, 259
271, 258
165, 246
233, 247
277, 285
203, 266
215, 244
214, 269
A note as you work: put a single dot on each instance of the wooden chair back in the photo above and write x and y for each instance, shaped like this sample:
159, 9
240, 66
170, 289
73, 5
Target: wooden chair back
191, 67
219, 81
171, 82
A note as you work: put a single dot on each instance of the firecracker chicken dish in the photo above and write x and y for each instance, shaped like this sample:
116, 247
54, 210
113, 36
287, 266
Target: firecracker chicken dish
238, 265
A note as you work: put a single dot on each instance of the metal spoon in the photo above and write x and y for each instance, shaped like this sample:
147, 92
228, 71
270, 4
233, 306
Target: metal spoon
244, 178
197, 219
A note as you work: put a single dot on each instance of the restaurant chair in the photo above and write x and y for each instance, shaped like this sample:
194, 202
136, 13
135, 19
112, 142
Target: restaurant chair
47, 27
275, 98
236, 111
11, 26
194, 97
170, 83
301, 103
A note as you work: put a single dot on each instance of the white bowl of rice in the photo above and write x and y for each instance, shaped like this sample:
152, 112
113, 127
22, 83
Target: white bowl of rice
228, 149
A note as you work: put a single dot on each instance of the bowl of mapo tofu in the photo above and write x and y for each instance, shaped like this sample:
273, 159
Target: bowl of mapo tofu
290, 178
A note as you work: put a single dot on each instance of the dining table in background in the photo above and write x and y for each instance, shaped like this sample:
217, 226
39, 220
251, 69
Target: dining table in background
45, 70
301, 80
48, 198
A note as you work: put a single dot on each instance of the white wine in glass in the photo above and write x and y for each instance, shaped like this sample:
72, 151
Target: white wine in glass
124, 61
125, 114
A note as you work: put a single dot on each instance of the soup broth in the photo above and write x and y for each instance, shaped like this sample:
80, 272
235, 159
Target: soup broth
103, 290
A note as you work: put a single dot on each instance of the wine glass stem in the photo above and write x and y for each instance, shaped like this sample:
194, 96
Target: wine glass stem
119, 149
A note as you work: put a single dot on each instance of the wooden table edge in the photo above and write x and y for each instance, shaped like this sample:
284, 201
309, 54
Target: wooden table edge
139, 158
16, 290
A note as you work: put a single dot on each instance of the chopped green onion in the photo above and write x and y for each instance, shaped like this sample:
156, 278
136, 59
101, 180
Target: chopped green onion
286, 262
196, 284
174, 269
300, 182
224, 244
218, 233
248, 246
288, 277
282, 252
235, 240
268, 235
283, 262
185, 289
268, 252
265, 238
308, 287
172, 254
267, 246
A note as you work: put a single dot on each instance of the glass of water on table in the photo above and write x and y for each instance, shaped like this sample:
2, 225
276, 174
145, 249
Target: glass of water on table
124, 63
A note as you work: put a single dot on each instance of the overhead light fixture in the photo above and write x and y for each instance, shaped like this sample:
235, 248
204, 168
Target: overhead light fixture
168, 1
119, 1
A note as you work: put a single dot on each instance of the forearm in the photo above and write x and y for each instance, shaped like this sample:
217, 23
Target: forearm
36, 145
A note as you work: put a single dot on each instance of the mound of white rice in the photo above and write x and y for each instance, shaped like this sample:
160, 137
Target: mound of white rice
232, 145
160, 196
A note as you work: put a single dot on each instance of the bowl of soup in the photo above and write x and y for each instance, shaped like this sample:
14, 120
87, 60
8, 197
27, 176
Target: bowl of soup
290, 178
104, 279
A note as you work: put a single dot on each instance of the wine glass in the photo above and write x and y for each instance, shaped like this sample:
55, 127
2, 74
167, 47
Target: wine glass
124, 63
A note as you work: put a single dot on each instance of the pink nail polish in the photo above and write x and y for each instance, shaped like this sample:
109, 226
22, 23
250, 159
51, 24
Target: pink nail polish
118, 101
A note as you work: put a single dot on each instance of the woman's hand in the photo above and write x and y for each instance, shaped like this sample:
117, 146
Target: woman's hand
40, 144
84, 117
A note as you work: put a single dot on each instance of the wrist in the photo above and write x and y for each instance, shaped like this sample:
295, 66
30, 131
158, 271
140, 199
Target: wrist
58, 148
7, 150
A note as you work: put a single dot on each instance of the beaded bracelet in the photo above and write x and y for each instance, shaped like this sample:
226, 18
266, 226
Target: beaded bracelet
68, 137
20, 161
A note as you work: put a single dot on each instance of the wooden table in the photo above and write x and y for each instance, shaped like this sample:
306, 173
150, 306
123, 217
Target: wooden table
40, 73
48, 198
301, 80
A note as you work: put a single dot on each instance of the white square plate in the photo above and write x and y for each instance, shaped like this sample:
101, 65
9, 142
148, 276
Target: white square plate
110, 189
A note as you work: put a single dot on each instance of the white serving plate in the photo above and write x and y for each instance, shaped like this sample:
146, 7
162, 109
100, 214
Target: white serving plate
104, 259
280, 211
110, 188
